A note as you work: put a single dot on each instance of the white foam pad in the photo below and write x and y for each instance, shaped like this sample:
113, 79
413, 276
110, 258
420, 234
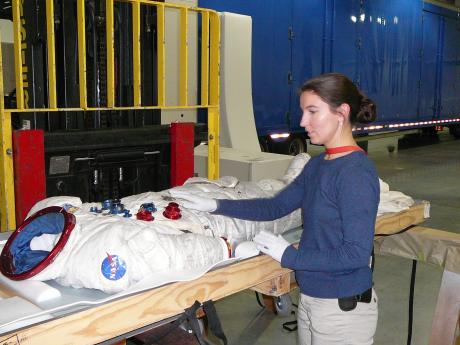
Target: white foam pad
17, 308
35, 291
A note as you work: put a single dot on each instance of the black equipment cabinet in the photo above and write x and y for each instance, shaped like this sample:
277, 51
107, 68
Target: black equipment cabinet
109, 164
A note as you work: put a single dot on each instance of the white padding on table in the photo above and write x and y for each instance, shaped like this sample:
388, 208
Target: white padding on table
35, 291
15, 308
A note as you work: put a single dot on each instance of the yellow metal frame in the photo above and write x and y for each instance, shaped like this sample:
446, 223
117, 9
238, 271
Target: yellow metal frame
7, 218
137, 53
18, 57
51, 55
161, 43
214, 96
183, 58
81, 52
110, 54
204, 58
209, 77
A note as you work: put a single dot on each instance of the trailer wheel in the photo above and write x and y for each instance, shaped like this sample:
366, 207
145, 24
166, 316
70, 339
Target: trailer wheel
454, 130
283, 305
263, 145
297, 145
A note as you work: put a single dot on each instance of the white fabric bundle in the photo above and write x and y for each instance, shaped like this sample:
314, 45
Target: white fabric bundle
392, 201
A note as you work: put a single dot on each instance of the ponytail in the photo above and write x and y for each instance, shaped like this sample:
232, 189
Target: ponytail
367, 112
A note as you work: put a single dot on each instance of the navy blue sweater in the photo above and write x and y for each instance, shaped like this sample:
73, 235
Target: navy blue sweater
339, 200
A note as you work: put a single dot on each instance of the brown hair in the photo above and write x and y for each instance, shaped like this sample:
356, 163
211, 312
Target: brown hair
336, 89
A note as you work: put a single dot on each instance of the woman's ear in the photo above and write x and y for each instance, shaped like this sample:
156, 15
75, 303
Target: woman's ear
344, 112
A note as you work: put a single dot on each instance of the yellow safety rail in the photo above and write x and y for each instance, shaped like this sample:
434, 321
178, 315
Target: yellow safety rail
7, 217
110, 54
209, 79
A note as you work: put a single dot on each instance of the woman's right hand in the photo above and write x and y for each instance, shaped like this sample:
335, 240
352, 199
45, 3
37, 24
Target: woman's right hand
271, 244
187, 200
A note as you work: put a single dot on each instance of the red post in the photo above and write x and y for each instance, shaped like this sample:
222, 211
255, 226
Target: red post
182, 144
29, 170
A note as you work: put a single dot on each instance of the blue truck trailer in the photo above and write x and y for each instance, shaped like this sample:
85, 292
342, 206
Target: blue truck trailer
404, 54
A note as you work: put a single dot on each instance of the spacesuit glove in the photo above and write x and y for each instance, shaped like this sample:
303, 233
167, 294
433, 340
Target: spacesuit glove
271, 244
194, 202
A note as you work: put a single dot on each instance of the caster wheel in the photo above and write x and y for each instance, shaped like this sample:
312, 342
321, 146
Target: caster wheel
187, 327
296, 145
283, 305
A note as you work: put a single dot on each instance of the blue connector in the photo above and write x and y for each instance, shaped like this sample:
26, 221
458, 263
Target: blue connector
149, 206
117, 208
107, 204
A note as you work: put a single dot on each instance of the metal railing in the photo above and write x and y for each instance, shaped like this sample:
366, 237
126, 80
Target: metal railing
209, 57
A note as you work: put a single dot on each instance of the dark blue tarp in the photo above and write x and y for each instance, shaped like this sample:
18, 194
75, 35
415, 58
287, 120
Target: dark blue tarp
404, 54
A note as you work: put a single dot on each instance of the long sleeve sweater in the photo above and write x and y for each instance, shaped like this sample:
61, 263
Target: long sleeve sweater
339, 200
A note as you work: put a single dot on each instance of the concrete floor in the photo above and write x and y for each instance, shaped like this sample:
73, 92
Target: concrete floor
429, 173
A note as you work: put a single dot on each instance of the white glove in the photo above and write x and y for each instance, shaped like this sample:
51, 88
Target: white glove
194, 202
271, 244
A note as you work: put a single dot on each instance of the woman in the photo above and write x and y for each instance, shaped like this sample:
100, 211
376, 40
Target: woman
338, 192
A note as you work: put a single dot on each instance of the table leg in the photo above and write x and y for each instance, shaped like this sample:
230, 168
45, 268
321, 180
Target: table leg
447, 311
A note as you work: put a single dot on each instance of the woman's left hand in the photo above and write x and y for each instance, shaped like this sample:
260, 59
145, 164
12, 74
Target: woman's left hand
271, 244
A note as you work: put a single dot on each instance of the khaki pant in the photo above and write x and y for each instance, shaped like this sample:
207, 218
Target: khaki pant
320, 321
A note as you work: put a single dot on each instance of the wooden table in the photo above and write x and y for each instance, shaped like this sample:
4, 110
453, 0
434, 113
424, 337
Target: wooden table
122, 316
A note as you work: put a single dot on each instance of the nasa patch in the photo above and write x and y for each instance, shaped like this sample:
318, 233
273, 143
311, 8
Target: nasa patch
113, 267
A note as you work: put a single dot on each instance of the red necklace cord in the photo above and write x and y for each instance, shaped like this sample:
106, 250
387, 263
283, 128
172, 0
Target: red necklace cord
342, 149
